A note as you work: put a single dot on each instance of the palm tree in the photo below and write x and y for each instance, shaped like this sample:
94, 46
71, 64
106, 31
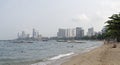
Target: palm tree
113, 27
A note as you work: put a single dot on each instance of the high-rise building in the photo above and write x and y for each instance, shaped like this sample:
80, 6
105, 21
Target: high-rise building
22, 35
18, 35
73, 32
61, 33
66, 33
90, 32
33, 33
70, 33
79, 32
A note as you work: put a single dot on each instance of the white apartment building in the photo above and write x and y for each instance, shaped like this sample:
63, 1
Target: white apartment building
79, 32
90, 32
66, 33
70, 33
61, 33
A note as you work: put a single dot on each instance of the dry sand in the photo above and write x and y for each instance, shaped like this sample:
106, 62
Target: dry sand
104, 55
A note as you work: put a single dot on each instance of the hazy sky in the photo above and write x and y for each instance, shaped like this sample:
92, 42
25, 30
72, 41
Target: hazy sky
49, 15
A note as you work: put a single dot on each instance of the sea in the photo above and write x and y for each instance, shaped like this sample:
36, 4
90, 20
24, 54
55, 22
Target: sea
42, 52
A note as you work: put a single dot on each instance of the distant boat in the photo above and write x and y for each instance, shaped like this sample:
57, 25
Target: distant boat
61, 41
44, 40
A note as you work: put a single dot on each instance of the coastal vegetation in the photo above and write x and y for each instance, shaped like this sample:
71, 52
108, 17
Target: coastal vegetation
113, 28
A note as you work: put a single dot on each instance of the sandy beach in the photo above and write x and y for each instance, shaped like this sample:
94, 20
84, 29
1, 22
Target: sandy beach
104, 55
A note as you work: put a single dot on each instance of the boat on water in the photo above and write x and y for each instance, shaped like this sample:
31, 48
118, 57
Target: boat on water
61, 40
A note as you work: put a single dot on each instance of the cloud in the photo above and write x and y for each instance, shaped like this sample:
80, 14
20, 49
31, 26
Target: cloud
81, 18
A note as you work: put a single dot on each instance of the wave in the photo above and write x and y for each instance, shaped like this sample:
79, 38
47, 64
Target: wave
60, 56
53, 58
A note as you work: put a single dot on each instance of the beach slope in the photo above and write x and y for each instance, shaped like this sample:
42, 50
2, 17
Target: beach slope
104, 55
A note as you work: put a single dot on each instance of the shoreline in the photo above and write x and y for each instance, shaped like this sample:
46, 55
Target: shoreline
103, 55
88, 50
66, 57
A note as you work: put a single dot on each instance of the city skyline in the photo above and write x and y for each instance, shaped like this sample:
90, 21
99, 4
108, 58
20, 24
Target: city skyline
49, 15
77, 32
71, 32
34, 34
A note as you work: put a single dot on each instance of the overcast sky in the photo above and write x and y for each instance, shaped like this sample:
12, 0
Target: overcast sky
49, 15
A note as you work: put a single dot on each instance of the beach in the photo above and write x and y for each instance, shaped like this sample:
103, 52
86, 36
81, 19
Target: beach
104, 55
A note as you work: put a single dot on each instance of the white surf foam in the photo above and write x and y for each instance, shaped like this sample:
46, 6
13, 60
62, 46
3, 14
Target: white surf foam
60, 56
53, 58
40, 63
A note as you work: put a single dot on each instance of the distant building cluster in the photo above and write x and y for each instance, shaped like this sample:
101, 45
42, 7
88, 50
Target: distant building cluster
69, 33
63, 33
35, 35
77, 32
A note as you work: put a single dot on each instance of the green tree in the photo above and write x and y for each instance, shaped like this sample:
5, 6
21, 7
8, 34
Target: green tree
113, 27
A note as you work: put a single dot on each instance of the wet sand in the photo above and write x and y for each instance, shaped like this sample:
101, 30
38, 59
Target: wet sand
104, 55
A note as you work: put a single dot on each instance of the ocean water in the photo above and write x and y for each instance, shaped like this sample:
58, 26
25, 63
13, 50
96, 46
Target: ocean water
40, 52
